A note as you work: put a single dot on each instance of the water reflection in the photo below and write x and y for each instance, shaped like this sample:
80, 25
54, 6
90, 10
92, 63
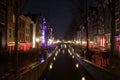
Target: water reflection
51, 65
77, 65
73, 56
63, 51
54, 58
83, 78
42, 60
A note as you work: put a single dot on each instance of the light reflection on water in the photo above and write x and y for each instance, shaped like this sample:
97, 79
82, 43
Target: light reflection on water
83, 78
51, 65
42, 60
54, 58
77, 65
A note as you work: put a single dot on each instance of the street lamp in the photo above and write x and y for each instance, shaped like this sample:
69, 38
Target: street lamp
37, 42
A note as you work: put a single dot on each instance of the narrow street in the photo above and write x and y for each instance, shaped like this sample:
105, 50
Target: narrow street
65, 67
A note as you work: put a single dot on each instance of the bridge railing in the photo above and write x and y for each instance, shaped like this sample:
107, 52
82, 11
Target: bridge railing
37, 71
97, 72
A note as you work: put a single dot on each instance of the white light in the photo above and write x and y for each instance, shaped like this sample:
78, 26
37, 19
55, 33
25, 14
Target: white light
63, 51
77, 55
77, 65
56, 48
84, 42
68, 50
72, 49
56, 53
65, 46
73, 57
77, 42
37, 39
51, 65
59, 50
33, 42
54, 58
61, 46
50, 41
83, 78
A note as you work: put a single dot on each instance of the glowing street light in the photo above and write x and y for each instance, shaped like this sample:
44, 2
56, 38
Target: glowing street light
37, 39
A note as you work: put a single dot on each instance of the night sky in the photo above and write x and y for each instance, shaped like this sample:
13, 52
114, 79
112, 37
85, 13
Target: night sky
59, 12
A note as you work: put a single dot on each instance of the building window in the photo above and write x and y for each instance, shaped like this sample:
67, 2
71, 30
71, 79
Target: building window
2, 17
26, 38
20, 23
10, 33
118, 26
13, 33
20, 36
28, 31
13, 18
23, 37
10, 17
25, 30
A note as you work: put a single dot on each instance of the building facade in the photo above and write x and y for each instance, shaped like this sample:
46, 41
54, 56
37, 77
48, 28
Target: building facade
117, 17
101, 25
10, 26
3, 24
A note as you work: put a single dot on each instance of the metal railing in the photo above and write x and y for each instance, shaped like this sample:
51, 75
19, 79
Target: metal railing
37, 71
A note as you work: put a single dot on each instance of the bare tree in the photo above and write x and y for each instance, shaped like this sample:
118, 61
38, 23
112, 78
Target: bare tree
17, 7
112, 4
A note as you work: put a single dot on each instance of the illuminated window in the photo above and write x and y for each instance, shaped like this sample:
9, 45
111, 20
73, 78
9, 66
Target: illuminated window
13, 18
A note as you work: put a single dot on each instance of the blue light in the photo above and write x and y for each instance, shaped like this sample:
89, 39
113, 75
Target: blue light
43, 37
43, 19
44, 22
43, 32
118, 35
42, 60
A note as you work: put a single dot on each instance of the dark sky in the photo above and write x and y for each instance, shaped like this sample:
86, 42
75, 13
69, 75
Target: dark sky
58, 12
